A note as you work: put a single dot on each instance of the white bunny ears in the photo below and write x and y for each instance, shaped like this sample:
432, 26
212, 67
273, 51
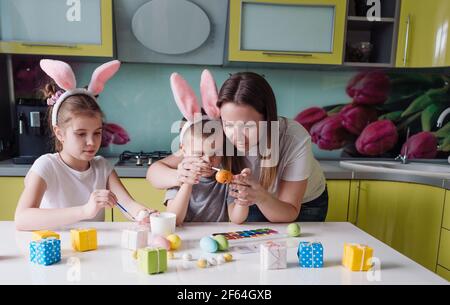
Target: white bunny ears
187, 100
64, 77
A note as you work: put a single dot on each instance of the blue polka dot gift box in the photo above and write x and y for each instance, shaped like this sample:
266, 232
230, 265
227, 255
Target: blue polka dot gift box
45, 251
310, 255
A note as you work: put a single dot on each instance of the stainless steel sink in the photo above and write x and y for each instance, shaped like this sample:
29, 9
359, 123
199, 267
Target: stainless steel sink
413, 168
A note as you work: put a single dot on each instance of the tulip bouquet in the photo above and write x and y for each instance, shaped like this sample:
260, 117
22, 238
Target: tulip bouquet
383, 108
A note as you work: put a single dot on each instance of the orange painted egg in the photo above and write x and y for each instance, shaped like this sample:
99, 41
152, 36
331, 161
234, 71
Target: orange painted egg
224, 176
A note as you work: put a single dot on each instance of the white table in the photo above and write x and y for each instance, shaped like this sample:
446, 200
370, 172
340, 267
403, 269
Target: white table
112, 265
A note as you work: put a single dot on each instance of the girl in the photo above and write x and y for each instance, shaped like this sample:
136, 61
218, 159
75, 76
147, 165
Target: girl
73, 184
201, 198
289, 187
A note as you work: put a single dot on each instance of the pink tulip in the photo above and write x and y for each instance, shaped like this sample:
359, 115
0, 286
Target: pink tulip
369, 88
377, 138
113, 133
308, 117
355, 118
329, 134
421, 146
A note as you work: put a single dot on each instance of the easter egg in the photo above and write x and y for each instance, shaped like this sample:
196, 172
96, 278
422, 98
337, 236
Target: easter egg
208, 244
224, 176
187, 257
212, 261
134, 254
175, 241
293, 230
170, 255
160, 242
220, 259
142, 215
202, 263
222, 242
228, 257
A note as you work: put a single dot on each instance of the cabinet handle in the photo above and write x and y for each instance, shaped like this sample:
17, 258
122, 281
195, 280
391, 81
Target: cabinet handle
287, 54
405, 54
66, 46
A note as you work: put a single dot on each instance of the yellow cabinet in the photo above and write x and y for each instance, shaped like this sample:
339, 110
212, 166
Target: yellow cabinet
141, 190
446, 222
444, 249
287, 31
423, 39
405, 216
443, 273
11, 188
55, 27
338, 193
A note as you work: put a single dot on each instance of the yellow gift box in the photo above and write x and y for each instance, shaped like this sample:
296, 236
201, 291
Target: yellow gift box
38, 235
83, 239
357, 257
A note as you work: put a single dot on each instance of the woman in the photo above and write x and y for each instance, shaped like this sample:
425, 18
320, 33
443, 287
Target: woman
279, 180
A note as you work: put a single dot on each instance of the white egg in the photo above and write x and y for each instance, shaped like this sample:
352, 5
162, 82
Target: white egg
220, 259
212, 261
187, 257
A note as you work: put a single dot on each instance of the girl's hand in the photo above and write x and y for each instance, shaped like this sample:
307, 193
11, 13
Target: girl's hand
99, 200
190, 169
246, 190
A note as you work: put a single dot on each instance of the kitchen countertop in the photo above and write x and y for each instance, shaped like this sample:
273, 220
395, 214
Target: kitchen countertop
331, 169
110, 264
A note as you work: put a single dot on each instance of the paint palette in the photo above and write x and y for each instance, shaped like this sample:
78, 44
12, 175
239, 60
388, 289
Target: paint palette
254, 235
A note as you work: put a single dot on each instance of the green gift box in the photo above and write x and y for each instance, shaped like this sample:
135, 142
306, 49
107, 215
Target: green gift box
152, 260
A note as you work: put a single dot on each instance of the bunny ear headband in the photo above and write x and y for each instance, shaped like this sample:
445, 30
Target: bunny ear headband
64, 77
187, 100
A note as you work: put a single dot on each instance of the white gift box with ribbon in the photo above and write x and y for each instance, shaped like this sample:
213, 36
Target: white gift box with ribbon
273, 256
134, 239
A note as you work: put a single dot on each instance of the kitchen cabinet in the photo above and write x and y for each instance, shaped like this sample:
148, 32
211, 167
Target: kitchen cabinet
11, 188
405, 216
55, 27
141, 190
423, 34
444, 249
287, 31
445, 273
446, 220
338, 196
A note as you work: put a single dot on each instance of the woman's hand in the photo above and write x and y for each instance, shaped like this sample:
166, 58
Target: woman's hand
143, 216
247, 190
189, 170
99, 200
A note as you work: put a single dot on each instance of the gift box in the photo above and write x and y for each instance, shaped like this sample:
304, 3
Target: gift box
38, 235
134, 239
310, 255
273, 256
45, 251
357, 257
83, 239
152, 260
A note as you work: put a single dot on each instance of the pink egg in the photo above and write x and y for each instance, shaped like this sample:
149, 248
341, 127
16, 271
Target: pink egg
160, 242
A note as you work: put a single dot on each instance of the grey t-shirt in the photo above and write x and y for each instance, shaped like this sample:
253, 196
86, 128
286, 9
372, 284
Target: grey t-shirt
208, 202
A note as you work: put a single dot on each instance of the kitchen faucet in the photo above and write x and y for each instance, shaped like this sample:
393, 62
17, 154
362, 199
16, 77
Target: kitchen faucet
404, 158
441, 118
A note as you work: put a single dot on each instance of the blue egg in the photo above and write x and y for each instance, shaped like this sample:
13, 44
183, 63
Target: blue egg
208, 244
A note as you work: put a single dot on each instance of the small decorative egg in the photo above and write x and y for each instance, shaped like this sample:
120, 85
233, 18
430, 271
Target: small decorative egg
228, 257
159, 242
212, 261
224, 176
202, 263
293, 230
175, 241
187, 257
142, 215
134, 254
220, 259
208, 244
222, 242
170, 255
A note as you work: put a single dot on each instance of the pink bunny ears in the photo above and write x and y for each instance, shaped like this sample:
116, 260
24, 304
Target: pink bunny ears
64, 77
187, 100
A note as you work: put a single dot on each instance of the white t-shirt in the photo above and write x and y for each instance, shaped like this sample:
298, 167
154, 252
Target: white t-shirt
296, 160
67, 187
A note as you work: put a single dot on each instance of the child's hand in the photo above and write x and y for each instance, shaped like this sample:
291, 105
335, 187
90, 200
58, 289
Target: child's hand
99, 200
246, 190
190, 169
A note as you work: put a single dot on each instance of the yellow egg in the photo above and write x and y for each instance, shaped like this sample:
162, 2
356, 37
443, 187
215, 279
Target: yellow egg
202, 263
228, 257
175, 241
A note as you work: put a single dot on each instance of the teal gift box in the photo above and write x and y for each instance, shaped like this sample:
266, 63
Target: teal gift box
152, 260
310, 255
45, 251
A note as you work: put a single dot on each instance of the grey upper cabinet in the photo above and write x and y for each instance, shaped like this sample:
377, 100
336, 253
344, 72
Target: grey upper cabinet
171, 31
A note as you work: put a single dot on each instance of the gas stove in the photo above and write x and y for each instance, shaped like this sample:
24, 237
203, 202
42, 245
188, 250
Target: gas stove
141, 158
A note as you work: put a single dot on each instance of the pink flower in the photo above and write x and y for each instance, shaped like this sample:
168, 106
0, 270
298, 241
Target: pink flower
369, 88
308, 117
355, 118
377, 138
421, 146
113, 133
329, 134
